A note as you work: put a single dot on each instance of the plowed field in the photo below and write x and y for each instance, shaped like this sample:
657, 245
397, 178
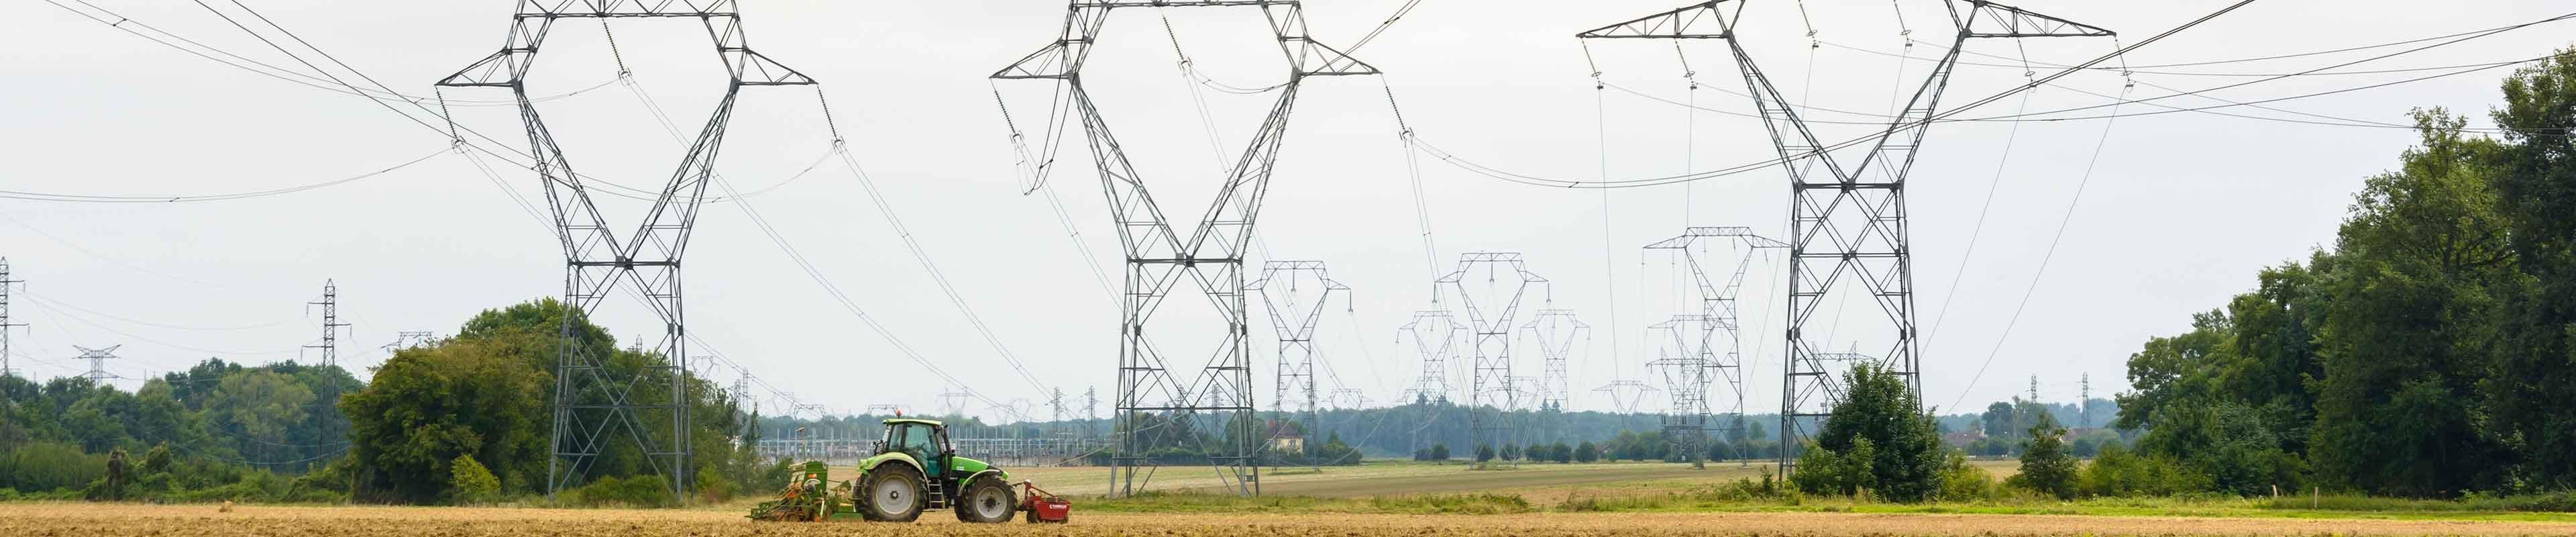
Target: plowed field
92, 520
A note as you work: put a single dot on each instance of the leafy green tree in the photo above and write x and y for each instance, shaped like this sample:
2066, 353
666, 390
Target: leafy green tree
1902, 453
1561, 453
429, 406
1439, 451
2045, 464
260, 408
2414, 308
2534, 373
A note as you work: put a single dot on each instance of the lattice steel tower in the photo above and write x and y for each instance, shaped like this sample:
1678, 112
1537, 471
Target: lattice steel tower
331, 325
589, 399
1435, 335
1296, 293
5, 325
1494, 393
1847, 224
1554, 331
1705, 347
1209, 252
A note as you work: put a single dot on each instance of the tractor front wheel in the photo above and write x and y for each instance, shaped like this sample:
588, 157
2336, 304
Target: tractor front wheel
893, 494
987, 501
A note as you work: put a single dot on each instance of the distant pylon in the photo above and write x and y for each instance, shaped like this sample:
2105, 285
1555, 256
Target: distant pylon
5, 324
1435, 335
1494, 396
1294, 314
2084, 401
1553, 332
98, 363
331, 325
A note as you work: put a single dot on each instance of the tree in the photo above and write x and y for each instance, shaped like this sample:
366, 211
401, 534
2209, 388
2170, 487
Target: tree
2045, 465
431, 405
2414, 309
1484, 452
260, 407
1902, 456
2534, 373
1439, 451
1586, 452
1560, 453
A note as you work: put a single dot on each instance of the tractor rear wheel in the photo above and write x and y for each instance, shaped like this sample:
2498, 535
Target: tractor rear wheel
894, 494
987, 501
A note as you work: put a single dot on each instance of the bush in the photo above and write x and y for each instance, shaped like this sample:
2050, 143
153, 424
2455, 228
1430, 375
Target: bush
2117, 472
1822, 471
1961, 482
1439, 451
1484, 453
469, 482
49, 466
1586, 452
1560, 453
639, 491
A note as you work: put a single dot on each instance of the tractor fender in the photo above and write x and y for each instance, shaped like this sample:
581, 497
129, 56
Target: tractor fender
997, 473
870, 464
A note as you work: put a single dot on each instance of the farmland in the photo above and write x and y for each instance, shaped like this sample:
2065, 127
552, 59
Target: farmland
66, 520
1392, 499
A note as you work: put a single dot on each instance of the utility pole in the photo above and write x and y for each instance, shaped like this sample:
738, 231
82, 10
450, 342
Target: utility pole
1208, 252
5, 324
331, 325
98, 363
1293, 318
1848, 233
1090, 409
1490, 311
1055, 408
589, 400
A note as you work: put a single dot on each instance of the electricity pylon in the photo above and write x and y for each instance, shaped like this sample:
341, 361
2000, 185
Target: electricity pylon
1554, 331
331, 325
1435, 335
5, 325
1848, 225
1495, 393
1209, 252
589, 399
1284, 288
1696, 350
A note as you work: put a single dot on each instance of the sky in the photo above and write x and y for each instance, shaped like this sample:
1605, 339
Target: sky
2177, 211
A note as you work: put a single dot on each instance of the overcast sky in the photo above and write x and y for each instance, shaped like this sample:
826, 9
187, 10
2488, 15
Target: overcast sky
2178, 214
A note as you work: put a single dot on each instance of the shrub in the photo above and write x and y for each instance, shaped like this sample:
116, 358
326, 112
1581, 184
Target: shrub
2118, 472
2046, 467
1961, 482
1439, 451
638, 491
49, 466
1484, 453
469, 482
1560, 453
1586, 452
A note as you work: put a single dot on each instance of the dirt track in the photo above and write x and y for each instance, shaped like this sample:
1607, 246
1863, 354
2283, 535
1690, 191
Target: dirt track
89, 520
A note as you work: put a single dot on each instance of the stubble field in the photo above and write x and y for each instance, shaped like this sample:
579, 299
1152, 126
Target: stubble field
90, 520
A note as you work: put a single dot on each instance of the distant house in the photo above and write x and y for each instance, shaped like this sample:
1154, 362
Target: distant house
1284, 437
1961, 439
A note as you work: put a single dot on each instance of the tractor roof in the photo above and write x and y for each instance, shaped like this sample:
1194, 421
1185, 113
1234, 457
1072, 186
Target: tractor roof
933, 423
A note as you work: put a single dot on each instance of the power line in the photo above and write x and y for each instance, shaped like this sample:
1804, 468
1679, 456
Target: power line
186, 198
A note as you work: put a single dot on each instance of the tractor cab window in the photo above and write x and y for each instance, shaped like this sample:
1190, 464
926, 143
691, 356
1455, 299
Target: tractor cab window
915, 438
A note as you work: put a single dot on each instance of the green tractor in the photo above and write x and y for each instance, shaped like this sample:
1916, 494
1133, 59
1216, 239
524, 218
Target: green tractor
915, 468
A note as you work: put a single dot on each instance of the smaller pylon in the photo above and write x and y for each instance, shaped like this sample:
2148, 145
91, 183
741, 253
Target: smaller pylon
331, 325
98, 363
5, 370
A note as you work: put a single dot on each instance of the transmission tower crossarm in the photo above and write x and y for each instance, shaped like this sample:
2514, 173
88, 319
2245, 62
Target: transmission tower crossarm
1686, 22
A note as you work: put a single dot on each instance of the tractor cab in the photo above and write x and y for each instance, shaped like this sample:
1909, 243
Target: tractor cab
916, 468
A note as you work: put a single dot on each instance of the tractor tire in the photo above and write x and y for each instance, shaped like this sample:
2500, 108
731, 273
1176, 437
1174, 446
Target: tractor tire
986, 500
894, 494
